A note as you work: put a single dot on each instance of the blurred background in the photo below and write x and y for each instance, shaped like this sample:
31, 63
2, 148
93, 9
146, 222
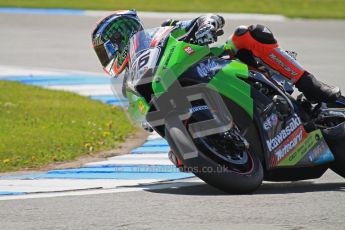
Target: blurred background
47, 40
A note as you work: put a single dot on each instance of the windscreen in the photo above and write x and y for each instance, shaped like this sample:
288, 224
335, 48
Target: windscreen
145, 51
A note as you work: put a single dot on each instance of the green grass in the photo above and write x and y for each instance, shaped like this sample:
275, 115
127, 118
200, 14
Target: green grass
39, 126
291, 8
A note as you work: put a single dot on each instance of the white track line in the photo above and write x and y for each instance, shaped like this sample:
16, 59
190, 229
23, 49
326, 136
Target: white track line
17, 71
153, 136
134, 159
178, 184
27, 71
60, 185
85, 90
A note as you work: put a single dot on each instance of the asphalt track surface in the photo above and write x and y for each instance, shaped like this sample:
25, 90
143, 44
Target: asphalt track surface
55, 42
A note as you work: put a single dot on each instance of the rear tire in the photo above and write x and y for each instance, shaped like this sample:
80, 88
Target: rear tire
335, 138
339, 166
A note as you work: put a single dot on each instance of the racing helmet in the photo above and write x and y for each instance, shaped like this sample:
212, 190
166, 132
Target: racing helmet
110, 39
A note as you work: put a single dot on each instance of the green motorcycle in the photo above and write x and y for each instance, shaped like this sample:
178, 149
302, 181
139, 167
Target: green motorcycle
231, 126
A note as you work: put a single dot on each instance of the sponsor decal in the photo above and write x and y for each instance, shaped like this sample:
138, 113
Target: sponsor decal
188, 50
282, 152
171, 51
199, 108
292, 156
282, 64
320, 154
273, 143
141, 107
270, 122
312, 150
287, 149
266, 30
207, 68
316, 153
291, 56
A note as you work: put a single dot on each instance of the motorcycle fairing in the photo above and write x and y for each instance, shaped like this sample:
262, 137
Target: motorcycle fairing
146, 50
313, 150
287, 144
229, 82
177, 58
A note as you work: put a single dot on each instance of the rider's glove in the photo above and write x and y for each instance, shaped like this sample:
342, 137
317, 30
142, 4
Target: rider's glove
209, 28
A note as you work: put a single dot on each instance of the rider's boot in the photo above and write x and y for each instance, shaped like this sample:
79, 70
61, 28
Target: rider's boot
317, 91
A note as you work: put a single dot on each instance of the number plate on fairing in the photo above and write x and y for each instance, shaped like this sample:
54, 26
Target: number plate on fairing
146, 60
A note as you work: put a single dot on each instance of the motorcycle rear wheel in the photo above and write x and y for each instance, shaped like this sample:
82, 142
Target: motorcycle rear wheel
335, 137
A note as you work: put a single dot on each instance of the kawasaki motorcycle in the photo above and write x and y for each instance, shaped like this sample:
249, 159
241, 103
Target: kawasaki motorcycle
231, 125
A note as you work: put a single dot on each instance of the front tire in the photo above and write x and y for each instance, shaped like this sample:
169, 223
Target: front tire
234, 182
214, 172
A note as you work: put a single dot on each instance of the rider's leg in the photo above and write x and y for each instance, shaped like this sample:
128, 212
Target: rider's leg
315, 90
260, 41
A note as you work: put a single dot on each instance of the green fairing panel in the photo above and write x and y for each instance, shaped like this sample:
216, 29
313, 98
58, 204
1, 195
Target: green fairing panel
178, 32
217, 50
229, 45
178, 57
228, 83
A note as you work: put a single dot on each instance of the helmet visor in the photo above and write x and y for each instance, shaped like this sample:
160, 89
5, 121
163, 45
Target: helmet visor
105, 52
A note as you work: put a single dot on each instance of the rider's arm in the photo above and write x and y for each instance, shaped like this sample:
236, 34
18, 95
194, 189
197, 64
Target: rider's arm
181, 28
204, 29
258, 41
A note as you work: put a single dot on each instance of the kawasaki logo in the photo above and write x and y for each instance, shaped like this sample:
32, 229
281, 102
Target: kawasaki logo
283, 134
207, 68
281, 153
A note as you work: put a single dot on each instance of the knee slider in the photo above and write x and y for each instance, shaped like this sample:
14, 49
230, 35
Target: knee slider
262, 34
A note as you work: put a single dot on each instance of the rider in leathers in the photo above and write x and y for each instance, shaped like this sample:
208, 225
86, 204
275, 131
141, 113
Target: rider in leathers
255, 45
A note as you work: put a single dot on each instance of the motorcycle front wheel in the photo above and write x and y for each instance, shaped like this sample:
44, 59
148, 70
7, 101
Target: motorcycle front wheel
239, 172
